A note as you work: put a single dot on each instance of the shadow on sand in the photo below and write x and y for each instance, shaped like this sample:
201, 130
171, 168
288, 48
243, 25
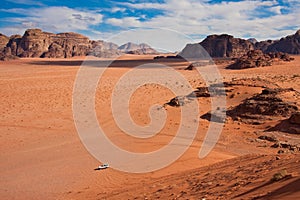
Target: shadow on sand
110, 63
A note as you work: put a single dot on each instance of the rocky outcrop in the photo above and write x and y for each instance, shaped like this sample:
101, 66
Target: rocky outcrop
66, 45
226, 46
194, 65
3, 41
13, 44
252, 40
263, 45
289, 44
267, 105
218, 46
36, 43
295, 118
289, 125
256, 58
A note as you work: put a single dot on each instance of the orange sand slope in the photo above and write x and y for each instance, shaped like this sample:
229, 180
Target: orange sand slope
42, 156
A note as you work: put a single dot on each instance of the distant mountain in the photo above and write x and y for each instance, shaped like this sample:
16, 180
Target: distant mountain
36, 43
104, 49
289, 44
133, 48
227, 46
252, 40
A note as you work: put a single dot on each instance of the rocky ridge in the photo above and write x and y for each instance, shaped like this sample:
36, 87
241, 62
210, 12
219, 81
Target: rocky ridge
227, 46
256, 58
37, 43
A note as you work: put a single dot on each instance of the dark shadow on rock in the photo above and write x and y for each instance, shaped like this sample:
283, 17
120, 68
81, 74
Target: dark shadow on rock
288, 189
286, 126
264, 185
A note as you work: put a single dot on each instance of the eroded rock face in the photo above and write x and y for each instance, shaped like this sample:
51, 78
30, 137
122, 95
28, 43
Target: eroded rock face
36, 43
263, 45
256, 58
13, 44
295, 118
289, 44
3, 41
270, 103
73, 44
220, 46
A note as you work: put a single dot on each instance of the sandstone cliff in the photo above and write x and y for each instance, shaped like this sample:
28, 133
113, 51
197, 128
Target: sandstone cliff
289, 44
219, 46
36, 43
3, 41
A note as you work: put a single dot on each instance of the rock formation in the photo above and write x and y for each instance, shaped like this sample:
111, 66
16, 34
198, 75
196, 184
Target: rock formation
289, 125
252, 40
3, 41
132, 48
270, 103
256, 58
104, 49
36, 43
226, 46
218, 46
289, 44
295, 118
263, 45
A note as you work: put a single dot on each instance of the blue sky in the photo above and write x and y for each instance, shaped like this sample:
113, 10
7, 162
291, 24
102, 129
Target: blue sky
195, 18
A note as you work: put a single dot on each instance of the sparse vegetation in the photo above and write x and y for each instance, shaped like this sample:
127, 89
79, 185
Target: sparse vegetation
280, 175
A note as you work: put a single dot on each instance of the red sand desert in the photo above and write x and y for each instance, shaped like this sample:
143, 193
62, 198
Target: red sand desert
42, 156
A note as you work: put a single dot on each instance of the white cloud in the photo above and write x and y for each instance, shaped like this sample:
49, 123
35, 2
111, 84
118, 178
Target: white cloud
117, 9
124, 22
237, 18
162, 39
26, 2
54, 19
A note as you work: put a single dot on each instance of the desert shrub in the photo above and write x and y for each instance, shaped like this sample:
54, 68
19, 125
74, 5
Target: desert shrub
279, 175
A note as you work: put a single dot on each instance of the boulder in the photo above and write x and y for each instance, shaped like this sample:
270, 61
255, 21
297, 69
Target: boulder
295, 118
193, 65
178, 101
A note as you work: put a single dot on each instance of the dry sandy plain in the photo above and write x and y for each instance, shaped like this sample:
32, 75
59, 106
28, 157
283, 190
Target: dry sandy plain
42, 156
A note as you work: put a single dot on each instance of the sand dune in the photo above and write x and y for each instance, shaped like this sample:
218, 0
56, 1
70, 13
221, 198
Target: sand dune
42, 156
